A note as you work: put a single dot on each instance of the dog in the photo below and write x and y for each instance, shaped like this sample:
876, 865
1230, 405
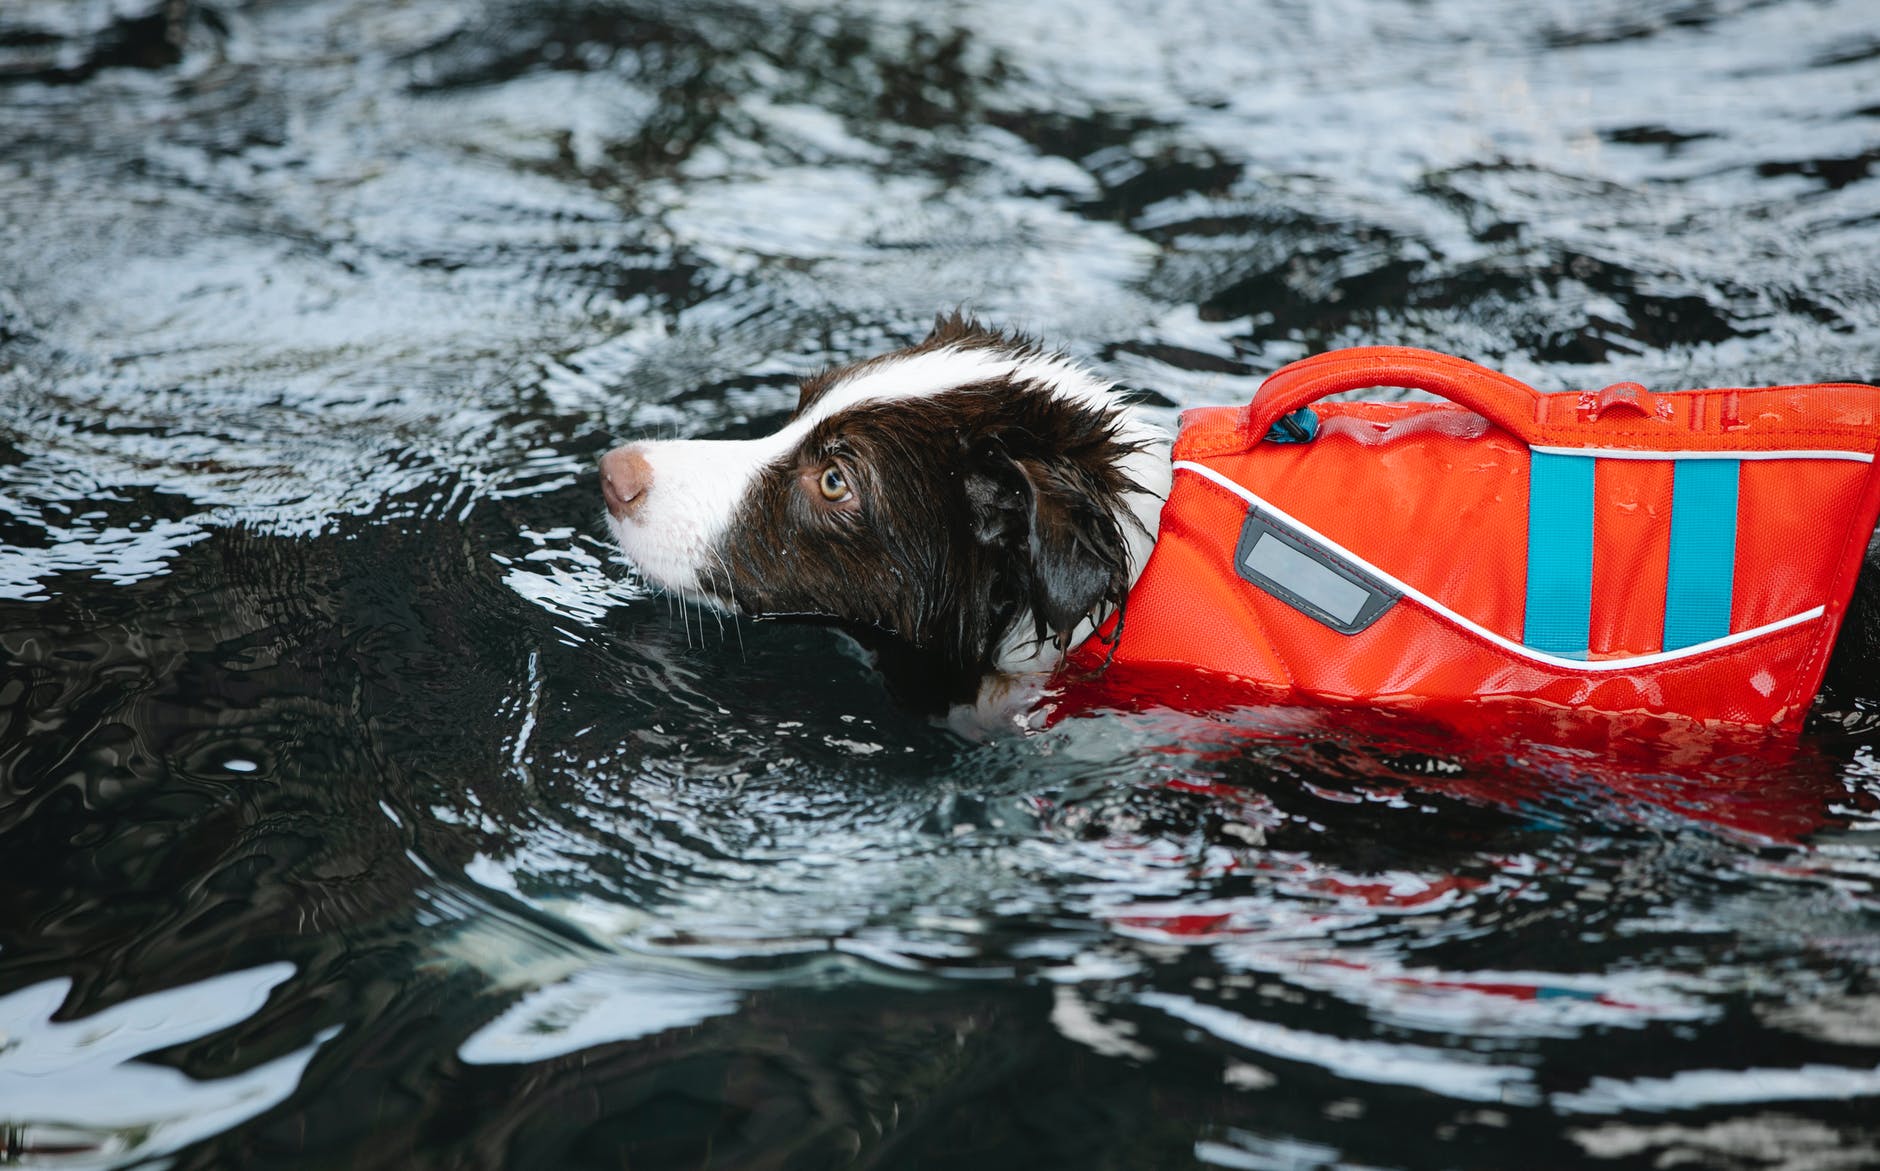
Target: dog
972, 508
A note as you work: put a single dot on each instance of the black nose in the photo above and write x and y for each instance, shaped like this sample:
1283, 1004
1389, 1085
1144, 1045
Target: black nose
625, 479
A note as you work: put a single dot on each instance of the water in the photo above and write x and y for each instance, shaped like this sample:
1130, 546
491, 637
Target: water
358, 809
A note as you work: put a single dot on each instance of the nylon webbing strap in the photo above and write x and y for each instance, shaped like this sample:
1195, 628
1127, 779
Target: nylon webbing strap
1701, 575
1560, 554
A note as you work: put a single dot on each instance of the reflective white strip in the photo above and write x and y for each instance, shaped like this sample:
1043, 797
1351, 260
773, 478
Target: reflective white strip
1859, 457
1442, 611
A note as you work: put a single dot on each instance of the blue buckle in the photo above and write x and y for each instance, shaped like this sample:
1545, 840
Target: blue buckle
1299, 427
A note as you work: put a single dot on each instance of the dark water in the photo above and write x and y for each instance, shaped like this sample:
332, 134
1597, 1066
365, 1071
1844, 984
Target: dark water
358, 809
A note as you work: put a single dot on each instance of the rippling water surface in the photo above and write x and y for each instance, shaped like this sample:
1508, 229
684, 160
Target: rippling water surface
358, 808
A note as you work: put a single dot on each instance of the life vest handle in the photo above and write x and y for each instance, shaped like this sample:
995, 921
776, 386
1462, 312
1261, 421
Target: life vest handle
1507, 402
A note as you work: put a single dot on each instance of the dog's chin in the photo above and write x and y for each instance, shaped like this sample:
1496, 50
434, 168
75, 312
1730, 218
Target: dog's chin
667, 574
688, 591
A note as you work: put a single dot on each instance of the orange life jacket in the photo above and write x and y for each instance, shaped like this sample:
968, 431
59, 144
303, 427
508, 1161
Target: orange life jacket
1687, 553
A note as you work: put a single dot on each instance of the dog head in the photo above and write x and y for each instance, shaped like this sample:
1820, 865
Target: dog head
984, 502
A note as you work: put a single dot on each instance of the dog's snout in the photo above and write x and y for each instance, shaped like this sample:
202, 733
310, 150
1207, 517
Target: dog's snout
626, 477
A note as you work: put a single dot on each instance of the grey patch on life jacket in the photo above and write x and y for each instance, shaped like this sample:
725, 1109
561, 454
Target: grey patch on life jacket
1312, 580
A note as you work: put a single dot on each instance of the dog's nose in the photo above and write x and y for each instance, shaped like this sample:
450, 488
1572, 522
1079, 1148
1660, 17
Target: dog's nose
625, 479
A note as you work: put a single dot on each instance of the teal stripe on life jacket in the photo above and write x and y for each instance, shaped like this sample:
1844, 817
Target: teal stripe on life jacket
1560, 554
1700, 578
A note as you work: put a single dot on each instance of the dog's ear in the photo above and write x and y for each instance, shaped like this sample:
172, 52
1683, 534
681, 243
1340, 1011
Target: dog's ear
1078, 555
1071, 552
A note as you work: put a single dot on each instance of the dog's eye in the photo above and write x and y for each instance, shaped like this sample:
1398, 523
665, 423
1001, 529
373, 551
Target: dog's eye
833, 484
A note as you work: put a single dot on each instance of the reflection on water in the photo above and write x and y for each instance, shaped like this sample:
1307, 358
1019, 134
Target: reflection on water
358, 808
76, 1089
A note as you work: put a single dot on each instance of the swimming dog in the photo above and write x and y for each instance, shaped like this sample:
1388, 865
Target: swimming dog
974, 507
